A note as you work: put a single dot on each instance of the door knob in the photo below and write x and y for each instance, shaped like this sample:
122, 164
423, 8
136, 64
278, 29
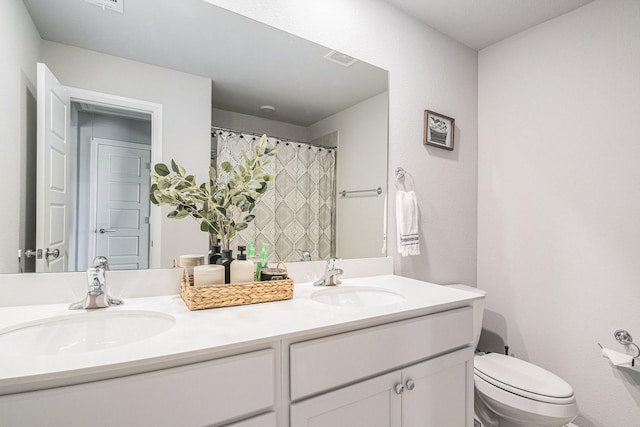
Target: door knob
106, 230
411, 384
399, 388
53, 254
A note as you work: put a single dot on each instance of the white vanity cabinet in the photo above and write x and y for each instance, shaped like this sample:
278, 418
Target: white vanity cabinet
206, 393
297, 363
429, 380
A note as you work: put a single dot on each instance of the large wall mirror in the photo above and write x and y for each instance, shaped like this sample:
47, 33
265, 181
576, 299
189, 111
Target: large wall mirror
194, 82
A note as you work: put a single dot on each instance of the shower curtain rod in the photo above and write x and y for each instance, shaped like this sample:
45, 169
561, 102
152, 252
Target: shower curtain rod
270, 136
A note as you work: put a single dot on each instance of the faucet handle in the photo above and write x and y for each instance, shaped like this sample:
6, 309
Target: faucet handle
331, 263
101, 262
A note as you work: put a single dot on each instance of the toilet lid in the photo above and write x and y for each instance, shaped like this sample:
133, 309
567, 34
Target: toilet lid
522, 378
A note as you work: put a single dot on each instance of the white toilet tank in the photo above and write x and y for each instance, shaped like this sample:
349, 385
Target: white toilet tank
478, 310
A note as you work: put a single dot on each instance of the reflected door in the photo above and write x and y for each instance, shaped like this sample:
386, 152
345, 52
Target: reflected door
52, 181
122, 203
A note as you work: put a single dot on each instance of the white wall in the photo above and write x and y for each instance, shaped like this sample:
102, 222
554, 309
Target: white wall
426, 71
186, 114
20, 45
361, 164
559, 199
253, 124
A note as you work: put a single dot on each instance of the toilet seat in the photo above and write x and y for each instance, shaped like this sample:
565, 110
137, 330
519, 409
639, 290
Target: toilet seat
523, 379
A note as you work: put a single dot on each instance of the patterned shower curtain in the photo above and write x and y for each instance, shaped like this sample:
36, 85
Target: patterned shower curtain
298, 209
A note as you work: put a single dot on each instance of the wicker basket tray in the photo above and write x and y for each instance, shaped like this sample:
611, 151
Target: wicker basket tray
201, 297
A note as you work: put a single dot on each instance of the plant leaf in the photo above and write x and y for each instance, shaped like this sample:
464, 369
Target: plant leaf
161, 169
182, 214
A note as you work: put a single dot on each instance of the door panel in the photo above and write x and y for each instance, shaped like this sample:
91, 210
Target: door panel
122, 203
52, 188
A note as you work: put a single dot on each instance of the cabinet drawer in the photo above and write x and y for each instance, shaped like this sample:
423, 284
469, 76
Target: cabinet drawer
325, 363
194, 395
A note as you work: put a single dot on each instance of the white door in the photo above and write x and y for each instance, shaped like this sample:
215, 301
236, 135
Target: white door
122, 203
52, 182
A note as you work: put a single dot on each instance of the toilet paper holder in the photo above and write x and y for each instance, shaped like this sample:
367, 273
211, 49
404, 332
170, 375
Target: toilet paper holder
622, 359
624, 338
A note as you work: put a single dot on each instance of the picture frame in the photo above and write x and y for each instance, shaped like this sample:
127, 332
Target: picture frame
438, 130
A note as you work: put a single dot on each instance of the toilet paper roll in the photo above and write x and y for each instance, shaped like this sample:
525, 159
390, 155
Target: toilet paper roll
618, 359
207, 275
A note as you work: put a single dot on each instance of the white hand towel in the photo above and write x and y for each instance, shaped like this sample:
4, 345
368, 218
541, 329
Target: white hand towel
407, 222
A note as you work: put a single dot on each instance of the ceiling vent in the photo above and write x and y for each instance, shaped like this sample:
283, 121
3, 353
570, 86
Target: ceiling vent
340, 58
114, 5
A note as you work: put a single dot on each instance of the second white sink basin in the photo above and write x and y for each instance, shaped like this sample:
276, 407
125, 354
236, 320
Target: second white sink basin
84, 332
357, 296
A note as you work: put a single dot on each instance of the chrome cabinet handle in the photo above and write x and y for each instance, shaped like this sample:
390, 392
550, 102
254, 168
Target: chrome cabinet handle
106, 230
53, 254
411, 385
399, 388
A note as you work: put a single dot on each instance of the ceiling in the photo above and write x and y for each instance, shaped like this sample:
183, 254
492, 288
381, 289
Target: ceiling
250, 64
480, 23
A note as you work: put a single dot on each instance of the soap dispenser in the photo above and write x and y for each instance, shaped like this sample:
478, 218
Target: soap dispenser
251, 253
225, 260
214, 253
263, 263
241, 269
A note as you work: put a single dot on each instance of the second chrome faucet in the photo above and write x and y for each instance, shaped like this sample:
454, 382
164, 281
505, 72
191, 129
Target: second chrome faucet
331, 273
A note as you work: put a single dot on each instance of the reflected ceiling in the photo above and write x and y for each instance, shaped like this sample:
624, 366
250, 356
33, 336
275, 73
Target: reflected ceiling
194, 37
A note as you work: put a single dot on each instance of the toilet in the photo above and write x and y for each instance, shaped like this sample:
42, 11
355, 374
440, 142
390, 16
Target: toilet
510, 392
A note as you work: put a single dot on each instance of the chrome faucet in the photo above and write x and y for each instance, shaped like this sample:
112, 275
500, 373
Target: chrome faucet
304, 255
331, 273
97, 296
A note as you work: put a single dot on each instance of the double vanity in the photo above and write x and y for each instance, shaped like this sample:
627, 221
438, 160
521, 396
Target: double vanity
379, 350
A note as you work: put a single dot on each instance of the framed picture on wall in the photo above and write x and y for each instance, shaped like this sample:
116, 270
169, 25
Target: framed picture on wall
438, 130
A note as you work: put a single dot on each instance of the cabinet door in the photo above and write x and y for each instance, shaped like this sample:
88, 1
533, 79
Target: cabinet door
372, 403
439, 392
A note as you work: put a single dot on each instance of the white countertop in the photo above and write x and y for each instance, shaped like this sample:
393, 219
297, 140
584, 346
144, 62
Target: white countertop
198, 335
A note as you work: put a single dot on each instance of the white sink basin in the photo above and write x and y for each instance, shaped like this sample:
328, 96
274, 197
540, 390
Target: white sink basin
84, 332
357, 296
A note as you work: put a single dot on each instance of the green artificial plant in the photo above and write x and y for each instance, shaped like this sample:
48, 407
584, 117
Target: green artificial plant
224, 204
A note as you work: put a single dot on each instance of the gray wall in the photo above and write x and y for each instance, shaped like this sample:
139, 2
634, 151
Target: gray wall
559, 200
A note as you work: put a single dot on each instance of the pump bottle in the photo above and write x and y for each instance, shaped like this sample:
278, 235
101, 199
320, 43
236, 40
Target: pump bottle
241, 268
